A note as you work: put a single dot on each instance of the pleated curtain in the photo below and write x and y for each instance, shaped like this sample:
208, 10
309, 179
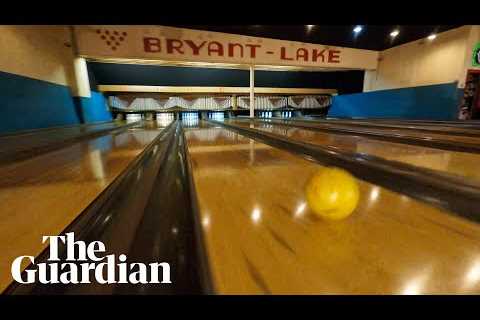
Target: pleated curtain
218, 103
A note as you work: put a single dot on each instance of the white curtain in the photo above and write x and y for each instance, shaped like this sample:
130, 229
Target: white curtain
157, 104
218, 102
309, 102
276, 102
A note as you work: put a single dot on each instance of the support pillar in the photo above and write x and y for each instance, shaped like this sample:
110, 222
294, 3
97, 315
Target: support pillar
234, 102
252, 91
81, 88
82, 84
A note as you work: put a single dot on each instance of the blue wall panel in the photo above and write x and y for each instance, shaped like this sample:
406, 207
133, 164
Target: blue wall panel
27, 103
438, 102
93, 109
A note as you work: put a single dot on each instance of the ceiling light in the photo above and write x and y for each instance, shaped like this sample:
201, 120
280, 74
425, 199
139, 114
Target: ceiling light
310, 26
357, 29
432, 36
394, 33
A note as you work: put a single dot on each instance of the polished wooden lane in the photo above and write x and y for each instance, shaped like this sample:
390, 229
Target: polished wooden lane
42, 195
25, 140
447, 136
261, 237
458, 163
446, 127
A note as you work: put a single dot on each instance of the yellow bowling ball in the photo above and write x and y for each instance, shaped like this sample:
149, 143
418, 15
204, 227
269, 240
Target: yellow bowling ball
332, 193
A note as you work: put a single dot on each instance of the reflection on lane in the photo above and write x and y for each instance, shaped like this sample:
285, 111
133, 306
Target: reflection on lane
459, 163
262, 236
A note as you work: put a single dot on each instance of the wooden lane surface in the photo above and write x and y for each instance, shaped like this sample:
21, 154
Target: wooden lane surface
458, 163
35, 138
261, 237
446, 127
42, 195
401, 131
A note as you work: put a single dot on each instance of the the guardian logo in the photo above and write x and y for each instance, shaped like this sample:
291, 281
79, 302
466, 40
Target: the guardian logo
106, 269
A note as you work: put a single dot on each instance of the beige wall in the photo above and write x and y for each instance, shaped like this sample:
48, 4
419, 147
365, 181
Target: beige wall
424, 62
37, 52
41, 52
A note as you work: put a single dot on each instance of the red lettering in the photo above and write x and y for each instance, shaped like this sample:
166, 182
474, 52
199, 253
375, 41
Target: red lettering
333, 56
231, 46
218, 48
195, 48
283, 54
302, 54
151, 44
253, 47
173, 44
316, 54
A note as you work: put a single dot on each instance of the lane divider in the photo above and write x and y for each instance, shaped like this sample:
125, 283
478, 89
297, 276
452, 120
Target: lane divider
390, 137
464, 130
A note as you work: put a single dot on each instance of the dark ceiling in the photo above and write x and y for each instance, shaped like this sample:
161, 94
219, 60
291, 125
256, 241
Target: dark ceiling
371, 37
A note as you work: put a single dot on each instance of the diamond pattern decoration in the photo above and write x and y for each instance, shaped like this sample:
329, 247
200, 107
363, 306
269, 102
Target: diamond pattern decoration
112, 38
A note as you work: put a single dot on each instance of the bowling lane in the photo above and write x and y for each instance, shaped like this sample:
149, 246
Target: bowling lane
458, 163
27, 144
42, 195
472, 125
34, 138
261, 237
401, 130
